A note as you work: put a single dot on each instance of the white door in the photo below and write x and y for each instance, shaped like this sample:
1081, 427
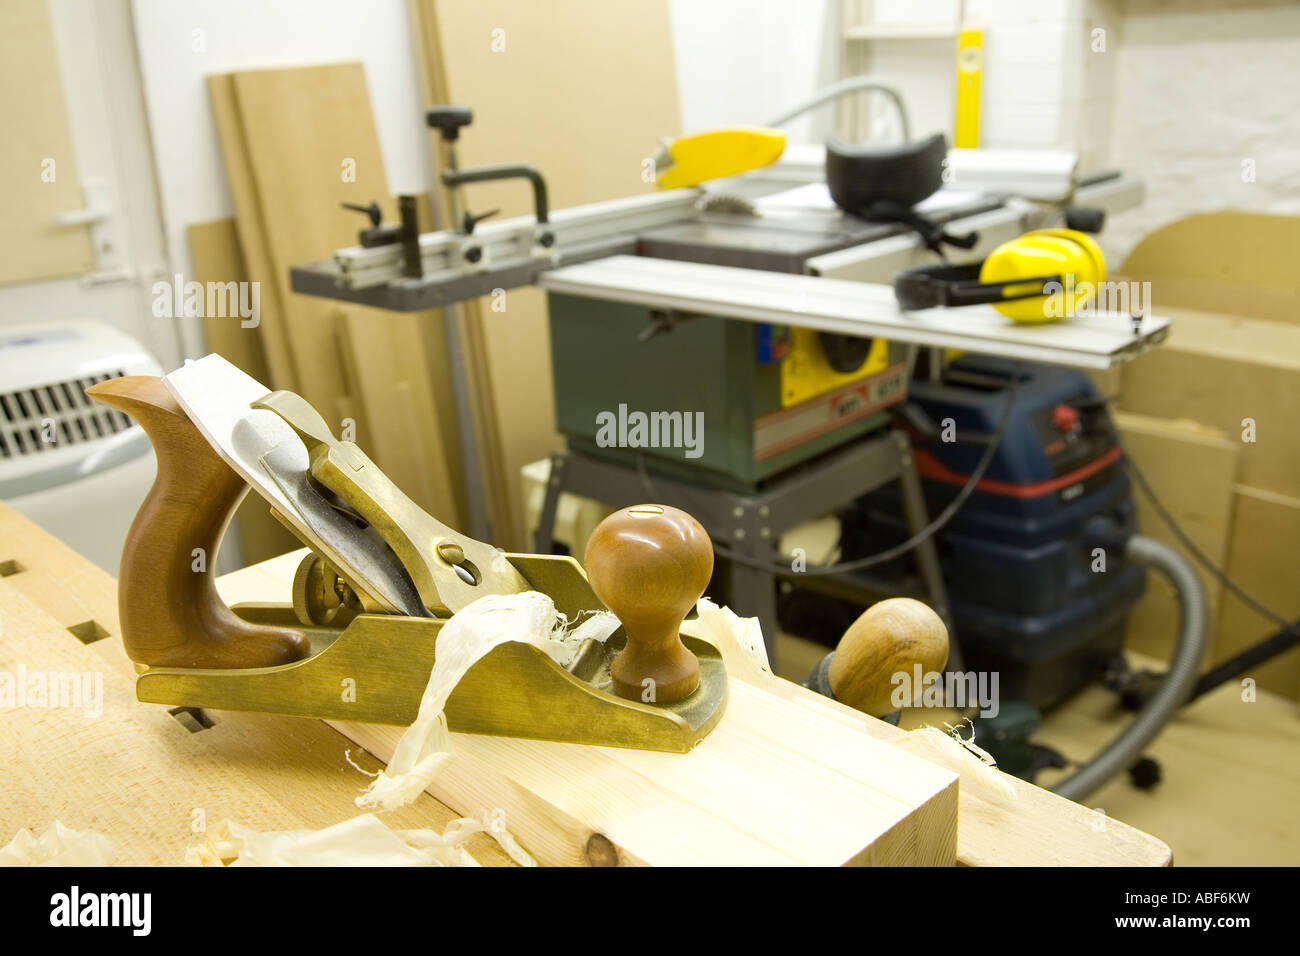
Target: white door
82, 230
82, 234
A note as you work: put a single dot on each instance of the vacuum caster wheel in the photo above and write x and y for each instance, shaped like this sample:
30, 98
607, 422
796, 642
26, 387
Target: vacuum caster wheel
1145, 774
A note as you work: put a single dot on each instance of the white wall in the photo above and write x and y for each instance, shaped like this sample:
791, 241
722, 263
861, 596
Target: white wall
1178, 92
1184, 91
110, 139
741, 62
181, 43
737, 62
1202, 87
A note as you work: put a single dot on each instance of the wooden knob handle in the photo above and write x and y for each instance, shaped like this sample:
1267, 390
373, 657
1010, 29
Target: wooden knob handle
889, 638
650, 564
168, 606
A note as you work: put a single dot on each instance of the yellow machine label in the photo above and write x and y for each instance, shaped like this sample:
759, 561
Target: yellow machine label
806, 373
791, 427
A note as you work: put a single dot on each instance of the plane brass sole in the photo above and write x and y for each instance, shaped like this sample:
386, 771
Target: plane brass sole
375, 670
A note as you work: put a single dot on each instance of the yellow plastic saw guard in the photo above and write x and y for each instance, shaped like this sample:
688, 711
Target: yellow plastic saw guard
719, 153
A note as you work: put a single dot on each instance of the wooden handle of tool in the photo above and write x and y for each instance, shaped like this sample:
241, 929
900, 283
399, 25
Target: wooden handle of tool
650, 564
168, 607
890, 637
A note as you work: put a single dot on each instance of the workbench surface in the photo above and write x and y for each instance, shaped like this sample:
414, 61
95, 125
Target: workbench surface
150, 779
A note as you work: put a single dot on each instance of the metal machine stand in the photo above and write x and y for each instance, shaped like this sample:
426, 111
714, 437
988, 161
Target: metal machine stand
750, 523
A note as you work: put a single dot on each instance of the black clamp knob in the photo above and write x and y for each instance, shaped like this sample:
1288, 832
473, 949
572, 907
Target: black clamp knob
373, 211
469, 220
448, 120
405, 233
378, 234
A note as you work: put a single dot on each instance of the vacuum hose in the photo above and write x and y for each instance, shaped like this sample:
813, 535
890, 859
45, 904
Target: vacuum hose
1126, 749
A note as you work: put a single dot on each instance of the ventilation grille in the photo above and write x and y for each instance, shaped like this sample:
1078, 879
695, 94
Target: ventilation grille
52, 416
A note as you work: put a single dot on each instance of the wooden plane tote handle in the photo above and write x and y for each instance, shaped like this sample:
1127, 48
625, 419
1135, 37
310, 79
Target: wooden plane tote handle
169, 609
650, 564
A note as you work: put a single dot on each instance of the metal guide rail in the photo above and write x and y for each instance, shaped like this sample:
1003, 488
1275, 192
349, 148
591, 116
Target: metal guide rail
507, 254
602, 250
854, 308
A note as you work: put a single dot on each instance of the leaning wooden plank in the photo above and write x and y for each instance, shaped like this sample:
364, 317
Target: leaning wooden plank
497, 58
1239, 375
1261, 557
215, 252
502, 511
773, 784
1167, 452
273, 326
312, 146
214, 249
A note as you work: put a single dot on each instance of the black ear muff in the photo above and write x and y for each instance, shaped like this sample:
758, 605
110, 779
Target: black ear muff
928, 287
1013, 278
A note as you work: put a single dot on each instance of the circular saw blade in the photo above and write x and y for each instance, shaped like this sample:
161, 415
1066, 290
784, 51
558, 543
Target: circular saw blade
727, 203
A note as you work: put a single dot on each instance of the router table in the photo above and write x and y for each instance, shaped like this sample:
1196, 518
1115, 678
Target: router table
150, 778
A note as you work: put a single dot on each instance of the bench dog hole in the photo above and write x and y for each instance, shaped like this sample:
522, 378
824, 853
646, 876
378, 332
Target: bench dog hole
88, 632
192, 718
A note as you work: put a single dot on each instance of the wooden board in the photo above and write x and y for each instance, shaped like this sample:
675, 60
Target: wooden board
1237, 263
299, 142
1167, 452
135, 772
273, 327
215, 252
1263, 555
1037, 829
32, 245
281, 772
1221, 370
217, 257
586, 119
773, 784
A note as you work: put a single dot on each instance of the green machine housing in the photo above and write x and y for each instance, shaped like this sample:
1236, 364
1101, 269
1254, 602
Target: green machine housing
750, 400
768, 397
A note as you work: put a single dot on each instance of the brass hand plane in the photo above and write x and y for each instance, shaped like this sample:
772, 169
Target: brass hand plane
359, 637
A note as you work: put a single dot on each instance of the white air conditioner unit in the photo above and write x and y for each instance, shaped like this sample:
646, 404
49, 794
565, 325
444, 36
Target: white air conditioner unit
77, 468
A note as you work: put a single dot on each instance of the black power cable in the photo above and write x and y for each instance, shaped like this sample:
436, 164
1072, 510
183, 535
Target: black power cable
889, 554
1200, 556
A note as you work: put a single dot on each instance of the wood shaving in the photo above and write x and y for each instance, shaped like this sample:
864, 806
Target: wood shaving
59, 845
361, 841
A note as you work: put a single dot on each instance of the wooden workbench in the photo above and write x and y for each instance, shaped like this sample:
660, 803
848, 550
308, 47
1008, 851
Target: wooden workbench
150, 779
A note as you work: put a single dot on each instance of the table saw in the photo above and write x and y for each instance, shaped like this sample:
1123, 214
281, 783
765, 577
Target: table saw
759, 306
752, 301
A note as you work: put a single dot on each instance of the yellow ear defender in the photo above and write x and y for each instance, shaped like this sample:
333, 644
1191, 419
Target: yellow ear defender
1067, 253
1041, 276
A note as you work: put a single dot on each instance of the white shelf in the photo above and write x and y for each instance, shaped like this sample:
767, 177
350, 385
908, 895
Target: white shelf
902, 31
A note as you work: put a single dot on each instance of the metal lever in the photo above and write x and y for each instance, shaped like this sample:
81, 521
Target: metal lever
470, 220
451, 178
450, 570
406, 233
